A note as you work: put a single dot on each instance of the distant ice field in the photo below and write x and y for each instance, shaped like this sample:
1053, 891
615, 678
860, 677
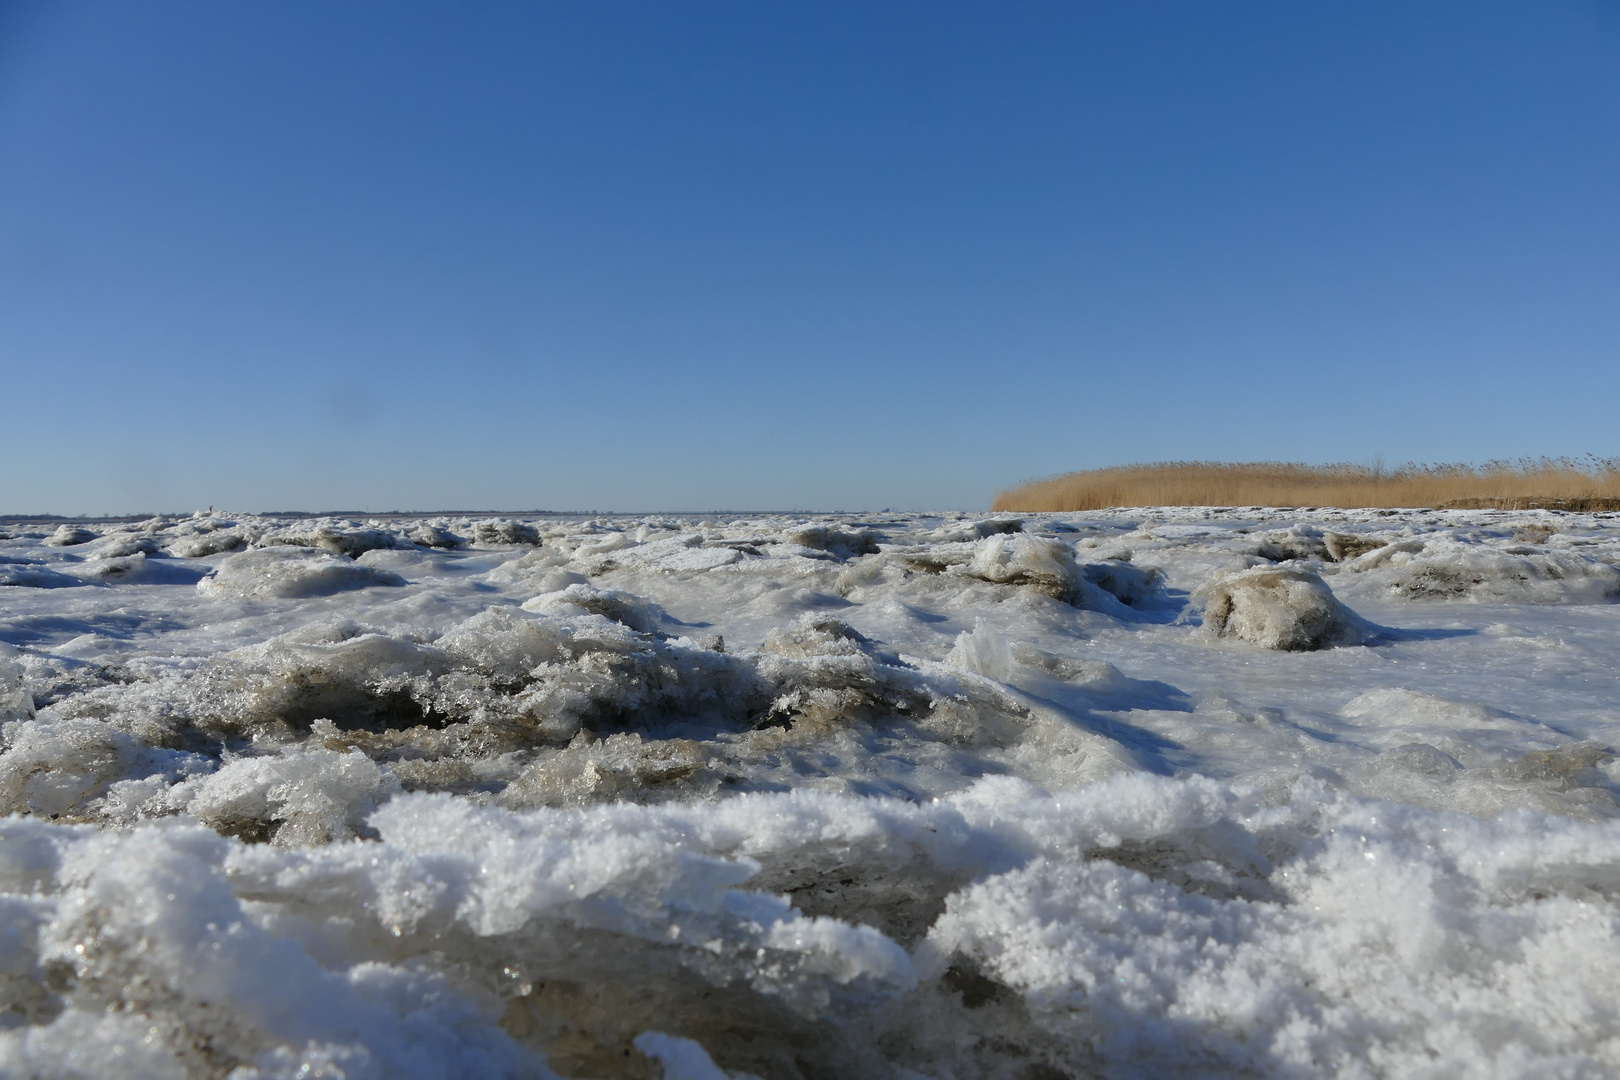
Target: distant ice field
1148, 793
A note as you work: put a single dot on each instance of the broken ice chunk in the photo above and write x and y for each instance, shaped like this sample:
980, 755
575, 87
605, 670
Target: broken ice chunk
1292, 610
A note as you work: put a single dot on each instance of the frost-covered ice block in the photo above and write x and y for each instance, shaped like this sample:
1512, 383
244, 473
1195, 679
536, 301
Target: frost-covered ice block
1448, 568
1292, 610
16, 703
30, 574
341, 538
975, 530
1040, 562
1342, 547
291, 573
1130, 585
203, 543
636, 612
69, 536
502, 531
845, 543
1047, 565
139, 569
433, 536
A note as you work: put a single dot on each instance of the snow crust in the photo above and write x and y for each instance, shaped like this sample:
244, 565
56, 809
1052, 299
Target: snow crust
1163, 793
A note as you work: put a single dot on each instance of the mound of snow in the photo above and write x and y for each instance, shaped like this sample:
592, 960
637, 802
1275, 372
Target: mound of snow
285, 572
347, 539
301, 796
203, 542
987, 652
70, 535
1448, 568
505, 532
636, 612
598, 544
824, 673
433, 536
622, 766
31, 574
844, 543
138, 569
1130, 585
1400, 944
1279, 609
1039, 562
960, 531
1342, 547
685, 553
53, 769
171, 971
116, 547
1297, 542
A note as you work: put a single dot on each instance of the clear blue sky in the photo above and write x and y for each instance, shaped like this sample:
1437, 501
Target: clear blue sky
768, 254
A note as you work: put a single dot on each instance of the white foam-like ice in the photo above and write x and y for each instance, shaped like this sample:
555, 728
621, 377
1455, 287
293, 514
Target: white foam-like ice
1166, 793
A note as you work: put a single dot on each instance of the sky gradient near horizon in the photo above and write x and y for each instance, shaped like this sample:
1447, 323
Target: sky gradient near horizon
645, 256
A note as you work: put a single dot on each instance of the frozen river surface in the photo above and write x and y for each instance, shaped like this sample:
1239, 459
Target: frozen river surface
1142, 793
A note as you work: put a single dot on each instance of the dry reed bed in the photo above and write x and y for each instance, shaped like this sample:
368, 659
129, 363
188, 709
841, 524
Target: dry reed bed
1551, 483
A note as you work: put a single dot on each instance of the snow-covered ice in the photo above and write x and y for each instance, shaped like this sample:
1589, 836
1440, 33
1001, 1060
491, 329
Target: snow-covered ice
1168, 792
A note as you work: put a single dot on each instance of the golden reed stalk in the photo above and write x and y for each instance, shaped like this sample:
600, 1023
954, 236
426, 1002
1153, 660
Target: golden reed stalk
1591, 484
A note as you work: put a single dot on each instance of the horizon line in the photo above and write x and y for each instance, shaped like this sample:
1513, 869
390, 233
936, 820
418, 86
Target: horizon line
19, 518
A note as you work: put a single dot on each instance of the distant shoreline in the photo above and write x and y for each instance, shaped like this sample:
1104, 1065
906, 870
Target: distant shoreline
1577, 485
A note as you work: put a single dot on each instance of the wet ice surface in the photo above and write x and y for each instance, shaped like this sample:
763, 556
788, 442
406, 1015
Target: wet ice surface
1148, 793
